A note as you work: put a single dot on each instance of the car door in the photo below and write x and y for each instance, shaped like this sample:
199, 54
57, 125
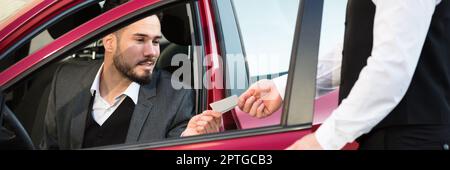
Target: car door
297, 116
217, 35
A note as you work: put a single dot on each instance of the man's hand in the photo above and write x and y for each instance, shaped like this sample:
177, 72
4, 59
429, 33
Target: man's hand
308, 142
261, 99
207, 122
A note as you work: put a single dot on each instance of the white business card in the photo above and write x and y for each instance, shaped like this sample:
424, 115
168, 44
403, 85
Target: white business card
225, 105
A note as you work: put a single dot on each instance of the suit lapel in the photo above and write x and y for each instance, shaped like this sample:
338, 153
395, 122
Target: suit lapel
142, 109
81, 109
78, 123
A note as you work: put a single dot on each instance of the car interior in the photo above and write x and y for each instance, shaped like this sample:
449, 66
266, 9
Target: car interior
28, 98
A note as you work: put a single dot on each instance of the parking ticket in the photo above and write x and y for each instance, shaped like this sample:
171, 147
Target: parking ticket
225, 105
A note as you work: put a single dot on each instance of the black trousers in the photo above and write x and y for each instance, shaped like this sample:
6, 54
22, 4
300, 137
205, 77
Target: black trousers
411, 137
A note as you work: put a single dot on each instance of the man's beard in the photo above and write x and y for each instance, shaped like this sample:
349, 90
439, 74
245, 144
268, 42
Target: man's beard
128, 72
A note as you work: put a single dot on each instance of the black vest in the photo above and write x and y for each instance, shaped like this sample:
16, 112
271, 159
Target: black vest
427, 100
113, 131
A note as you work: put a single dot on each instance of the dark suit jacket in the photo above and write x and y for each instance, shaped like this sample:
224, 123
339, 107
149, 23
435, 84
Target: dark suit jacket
161, 112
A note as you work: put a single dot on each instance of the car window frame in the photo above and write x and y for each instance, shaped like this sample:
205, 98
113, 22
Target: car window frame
303, 66
36, 31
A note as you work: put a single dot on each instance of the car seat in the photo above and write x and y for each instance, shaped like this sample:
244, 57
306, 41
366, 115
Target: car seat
32, 108
176, 29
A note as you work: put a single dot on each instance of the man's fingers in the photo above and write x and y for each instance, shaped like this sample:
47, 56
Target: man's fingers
209, 127
216, 119
243, 98
253, 110
201, 123
200, 130
266, 112
214, 114
208, 124
193, 122
209, 120
201, 126
260, 110
206, 118
248, 104
213, 123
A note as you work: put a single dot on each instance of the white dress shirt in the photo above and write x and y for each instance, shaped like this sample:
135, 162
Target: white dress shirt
101, 109
400, 29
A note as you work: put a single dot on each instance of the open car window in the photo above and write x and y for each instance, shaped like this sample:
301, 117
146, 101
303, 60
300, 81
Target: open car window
266, 38
329, 60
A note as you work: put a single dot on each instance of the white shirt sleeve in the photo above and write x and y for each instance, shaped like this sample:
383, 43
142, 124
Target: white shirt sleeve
280, 83
328, 73
400, 29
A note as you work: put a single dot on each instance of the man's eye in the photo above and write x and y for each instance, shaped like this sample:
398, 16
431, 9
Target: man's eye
156, 42
140, 40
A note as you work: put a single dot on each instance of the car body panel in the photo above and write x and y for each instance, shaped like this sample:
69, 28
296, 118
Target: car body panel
31, 19
245, 121
274, 141
211, 52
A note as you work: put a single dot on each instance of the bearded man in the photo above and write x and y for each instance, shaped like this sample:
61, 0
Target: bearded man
121, 99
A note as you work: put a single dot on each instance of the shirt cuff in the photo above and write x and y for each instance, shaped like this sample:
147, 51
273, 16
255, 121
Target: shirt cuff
280, 84
328, 137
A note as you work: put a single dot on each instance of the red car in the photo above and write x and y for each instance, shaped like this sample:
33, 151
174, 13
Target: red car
229, 43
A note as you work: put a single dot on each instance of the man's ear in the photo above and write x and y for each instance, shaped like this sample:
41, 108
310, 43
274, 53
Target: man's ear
109, 43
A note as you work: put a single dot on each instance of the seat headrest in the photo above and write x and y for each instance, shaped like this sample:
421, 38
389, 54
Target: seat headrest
175, 25
172, 50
